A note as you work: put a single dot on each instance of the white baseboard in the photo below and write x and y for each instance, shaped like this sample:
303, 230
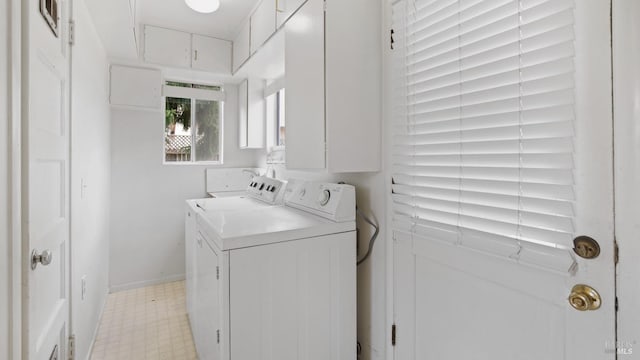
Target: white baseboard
139, 284
97, 328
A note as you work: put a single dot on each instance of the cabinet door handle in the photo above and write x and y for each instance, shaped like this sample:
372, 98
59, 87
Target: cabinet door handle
196, 55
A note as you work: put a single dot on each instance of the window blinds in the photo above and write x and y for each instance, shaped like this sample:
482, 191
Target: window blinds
484, 121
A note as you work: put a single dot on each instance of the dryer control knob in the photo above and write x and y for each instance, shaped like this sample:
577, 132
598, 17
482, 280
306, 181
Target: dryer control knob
324, 197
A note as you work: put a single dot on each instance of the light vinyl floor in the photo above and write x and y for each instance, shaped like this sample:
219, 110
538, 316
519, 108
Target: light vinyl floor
145, 324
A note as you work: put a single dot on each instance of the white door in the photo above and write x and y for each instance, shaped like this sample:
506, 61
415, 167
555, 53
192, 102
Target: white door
502, 156
46, 181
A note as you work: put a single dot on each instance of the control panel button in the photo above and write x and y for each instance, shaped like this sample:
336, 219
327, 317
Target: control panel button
324, 197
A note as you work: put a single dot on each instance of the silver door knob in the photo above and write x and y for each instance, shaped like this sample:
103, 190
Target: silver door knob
43, 258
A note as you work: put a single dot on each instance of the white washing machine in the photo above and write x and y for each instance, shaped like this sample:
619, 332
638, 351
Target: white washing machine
261, 192
278, 282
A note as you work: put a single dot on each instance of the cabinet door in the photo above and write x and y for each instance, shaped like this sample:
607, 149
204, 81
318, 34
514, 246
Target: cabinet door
353, 86
304, 78
211, 54
243, 113
256, 114
251, 114
286, 8
208, 322
263, 23
136, 87
241, 46
167, 47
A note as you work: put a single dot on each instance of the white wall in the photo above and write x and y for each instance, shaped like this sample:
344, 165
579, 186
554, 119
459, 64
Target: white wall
626, 57
91, 167
4, 183
147, 224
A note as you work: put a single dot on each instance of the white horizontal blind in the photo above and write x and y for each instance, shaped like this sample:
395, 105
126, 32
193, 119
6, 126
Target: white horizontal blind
484, 120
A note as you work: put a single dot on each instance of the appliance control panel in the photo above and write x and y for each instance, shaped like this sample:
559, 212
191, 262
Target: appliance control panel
336, 202
266, 189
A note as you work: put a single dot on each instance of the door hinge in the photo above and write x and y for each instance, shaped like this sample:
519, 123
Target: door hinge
218, 335
72, 32
393, 335
391, 38
217, 272
616, 304
616, 252
324, 7
72, 347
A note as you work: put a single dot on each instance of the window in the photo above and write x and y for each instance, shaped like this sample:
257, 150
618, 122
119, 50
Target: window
193, 123
484, 118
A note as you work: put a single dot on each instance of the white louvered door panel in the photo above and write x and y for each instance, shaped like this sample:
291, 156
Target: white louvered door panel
501, 156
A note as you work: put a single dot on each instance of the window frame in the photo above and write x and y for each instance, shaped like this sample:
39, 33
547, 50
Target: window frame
194, 94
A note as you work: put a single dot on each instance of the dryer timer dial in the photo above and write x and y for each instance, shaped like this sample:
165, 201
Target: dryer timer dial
323, 197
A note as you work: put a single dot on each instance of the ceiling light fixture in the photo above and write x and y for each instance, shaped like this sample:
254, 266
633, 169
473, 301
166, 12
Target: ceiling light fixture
203, 6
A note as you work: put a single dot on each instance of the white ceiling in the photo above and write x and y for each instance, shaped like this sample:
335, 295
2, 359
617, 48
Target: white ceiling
175, 14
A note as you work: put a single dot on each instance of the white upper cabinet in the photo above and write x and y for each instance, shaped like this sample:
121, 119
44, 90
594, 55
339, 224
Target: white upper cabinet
263, 23
286, 8
304, 79
135, 87
167, 47
211, 54
333, 84
185, 50
241, 46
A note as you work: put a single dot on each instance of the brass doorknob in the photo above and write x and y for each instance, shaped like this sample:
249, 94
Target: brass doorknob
584, 298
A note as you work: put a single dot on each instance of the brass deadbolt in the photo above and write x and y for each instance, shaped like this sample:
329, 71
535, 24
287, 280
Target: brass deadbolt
586, 247
584, 298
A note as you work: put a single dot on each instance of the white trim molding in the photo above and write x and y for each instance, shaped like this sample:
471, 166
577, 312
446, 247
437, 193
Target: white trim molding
626, 82
15, 170
193, 93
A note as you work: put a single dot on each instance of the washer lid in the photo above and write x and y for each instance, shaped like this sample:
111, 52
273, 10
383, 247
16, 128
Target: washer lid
238, 229
226, 203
